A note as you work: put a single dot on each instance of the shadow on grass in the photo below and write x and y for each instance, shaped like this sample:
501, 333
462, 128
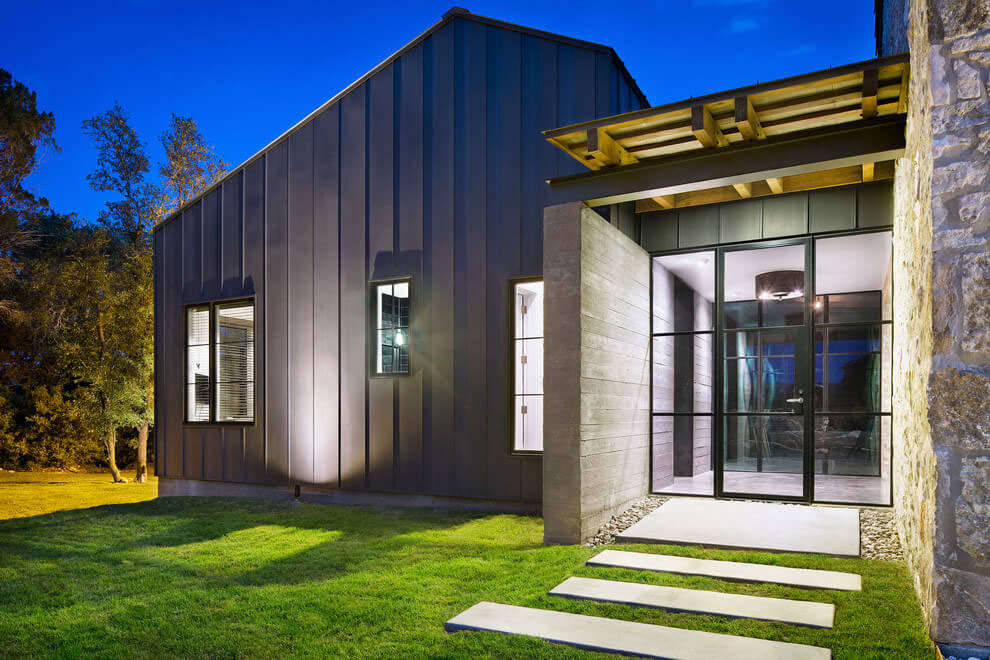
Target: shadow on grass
237, 541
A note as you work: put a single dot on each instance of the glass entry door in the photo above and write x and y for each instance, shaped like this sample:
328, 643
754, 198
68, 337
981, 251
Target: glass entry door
763, 424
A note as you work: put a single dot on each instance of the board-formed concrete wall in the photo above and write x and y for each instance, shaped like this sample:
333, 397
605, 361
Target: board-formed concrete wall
596, 375
942, 320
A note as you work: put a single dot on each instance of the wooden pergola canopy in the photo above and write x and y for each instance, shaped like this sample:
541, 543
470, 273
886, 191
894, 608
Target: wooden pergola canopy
844, 95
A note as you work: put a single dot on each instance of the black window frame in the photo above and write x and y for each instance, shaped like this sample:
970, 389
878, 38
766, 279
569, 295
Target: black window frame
511, 409
373, 328
211, 306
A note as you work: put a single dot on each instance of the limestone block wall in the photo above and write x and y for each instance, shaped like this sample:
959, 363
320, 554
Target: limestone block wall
597, 373
941, 381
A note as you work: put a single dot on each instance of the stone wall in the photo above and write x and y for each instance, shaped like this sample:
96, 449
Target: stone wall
596, 378
942, 341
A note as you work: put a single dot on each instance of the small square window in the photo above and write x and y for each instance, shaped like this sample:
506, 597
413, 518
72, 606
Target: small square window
391, 328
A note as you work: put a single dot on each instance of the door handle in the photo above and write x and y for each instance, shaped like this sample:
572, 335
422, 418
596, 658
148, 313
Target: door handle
800, 399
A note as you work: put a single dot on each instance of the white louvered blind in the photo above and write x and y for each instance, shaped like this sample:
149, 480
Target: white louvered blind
198, 364
235, 362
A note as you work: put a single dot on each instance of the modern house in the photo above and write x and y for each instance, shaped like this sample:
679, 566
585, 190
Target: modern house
490, 274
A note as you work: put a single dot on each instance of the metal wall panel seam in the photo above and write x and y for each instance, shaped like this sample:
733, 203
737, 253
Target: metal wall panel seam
340, 470
367, 222
264, 237
288, 311
223, 433
396, 205
312, 309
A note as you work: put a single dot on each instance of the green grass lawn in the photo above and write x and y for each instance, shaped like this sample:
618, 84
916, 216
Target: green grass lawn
249, 578
33, 493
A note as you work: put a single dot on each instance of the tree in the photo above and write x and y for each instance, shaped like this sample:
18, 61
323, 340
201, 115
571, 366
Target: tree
98, 330
191, 166
24, 133
121, 168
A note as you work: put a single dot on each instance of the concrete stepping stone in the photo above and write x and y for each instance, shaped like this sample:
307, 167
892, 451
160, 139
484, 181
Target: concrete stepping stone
800, 612
729, 570
752, 525
626, 637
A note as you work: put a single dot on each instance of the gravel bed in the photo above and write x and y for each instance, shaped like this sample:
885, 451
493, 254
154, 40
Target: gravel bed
623, 521
877, 533
878, 537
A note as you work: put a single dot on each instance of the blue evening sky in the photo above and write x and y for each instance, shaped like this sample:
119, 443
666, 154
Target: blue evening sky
247, 71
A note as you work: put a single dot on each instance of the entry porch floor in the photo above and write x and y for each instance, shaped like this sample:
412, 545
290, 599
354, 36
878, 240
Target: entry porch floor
828, 487
751, 525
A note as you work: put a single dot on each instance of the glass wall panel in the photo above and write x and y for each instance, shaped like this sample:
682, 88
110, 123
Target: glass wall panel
764, 455
683, 372
684, 293
852, 368
682, 455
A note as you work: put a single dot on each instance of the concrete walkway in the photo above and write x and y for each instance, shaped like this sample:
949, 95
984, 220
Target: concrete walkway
753, 525
750, 525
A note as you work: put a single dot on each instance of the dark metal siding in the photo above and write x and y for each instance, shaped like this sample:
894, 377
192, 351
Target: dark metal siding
433, 169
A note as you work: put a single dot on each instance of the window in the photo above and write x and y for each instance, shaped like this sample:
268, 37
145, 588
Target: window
527, 377
391, 340
683, 373
220, 362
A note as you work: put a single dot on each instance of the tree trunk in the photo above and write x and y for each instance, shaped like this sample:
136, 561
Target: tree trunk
110, 442
142, 454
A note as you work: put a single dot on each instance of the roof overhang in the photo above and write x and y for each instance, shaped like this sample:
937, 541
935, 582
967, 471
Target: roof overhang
826, 128
824, 154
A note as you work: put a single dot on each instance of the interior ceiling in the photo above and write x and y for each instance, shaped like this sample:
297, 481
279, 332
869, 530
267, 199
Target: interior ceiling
844, 263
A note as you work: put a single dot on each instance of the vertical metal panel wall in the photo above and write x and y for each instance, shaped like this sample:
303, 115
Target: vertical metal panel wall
432, 168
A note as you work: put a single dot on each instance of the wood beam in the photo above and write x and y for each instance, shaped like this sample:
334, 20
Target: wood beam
902, 98
746, 120
868, 171
776, 185
862, 142
665, 201
705, 128
590, 163
871, 86
745, 190
606, 150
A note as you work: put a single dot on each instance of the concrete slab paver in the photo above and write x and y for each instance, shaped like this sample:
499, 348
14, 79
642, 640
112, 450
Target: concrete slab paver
729, 570
626, 637
800, 612
752, 525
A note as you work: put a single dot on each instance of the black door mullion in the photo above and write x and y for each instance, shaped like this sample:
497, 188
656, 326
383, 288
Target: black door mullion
806, 365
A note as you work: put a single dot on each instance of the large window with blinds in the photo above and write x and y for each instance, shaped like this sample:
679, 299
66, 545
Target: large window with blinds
220, 362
